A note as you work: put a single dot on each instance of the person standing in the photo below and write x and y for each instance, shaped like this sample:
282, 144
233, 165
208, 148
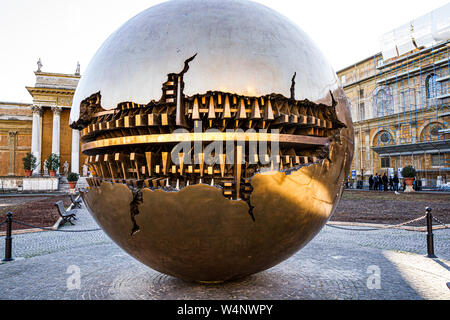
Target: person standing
380, 183
385, 182
375, 182
391, 184
395, 181
370, 182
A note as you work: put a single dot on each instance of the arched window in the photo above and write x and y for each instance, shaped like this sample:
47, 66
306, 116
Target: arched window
431, 132
432, 86
383, 102
383, 138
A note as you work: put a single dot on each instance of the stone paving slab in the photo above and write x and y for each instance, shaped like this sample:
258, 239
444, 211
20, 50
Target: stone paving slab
337, 264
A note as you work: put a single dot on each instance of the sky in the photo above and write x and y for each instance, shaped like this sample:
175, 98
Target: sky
63, 32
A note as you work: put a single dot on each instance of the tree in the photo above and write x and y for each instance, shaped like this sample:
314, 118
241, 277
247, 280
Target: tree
29, 162
53, 162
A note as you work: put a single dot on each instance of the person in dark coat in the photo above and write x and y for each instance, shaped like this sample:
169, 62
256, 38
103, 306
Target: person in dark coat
396, 181
375, 182
370, 182
391, 184
385, 182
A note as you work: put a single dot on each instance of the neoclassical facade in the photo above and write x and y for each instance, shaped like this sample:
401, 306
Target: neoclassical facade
400, 109
41, 127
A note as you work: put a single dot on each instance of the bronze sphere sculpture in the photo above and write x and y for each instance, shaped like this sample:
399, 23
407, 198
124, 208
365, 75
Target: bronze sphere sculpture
218, 137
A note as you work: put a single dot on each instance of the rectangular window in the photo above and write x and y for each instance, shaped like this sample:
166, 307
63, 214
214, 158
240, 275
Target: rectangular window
385, 162
361, 94
362, 112
343, 79
440, 160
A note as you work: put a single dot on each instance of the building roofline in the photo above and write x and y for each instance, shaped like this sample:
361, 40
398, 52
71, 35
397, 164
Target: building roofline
62, 75
15, 103
359, 62
54, 90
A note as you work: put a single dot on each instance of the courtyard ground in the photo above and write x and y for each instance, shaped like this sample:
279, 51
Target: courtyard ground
389, 208
355, 206
36, 210
337, 264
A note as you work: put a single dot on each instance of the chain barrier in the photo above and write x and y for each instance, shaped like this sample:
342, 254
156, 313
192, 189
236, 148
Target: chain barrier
349, 229
51, 229
396, 226
440, 222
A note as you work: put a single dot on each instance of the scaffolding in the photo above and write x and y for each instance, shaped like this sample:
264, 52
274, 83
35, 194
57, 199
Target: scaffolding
411, 102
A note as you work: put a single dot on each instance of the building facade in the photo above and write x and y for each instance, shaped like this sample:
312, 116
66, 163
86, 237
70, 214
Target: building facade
400, 109
15, 137
41, 127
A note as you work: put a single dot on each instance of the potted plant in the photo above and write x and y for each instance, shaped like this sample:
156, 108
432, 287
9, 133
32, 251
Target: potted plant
72, 178
409, 173
29, 163
53, 164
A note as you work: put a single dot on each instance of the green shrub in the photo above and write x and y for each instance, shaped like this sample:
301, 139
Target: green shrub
53, 162
409, 172
29, 162
73, 177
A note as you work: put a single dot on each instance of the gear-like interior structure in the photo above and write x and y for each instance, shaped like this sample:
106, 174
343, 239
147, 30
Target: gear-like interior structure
133, 144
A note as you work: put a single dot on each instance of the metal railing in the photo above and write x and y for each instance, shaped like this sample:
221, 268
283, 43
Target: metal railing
8, 236
428, 216
429, 219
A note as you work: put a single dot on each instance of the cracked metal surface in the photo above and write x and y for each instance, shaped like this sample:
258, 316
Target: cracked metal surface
197, 234
218, 222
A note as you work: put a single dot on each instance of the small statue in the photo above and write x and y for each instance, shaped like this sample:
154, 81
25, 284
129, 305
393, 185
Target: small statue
78, 70
45, 168
66, 168
85, 170
40, 65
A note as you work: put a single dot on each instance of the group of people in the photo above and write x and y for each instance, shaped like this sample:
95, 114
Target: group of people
378, 182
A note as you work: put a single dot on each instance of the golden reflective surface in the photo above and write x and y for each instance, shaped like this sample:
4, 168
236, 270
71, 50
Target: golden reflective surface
197, 234
206, 137
217, 221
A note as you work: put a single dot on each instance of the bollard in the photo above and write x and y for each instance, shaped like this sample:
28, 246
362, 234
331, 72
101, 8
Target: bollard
8, 239
430, 241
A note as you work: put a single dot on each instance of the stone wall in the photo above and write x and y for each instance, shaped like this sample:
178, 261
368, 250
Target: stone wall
32, 184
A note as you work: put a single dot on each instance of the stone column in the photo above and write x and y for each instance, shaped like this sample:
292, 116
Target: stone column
398, 134
369, 168
12, 144
56, 133
56, 137
35, 137
75, 161
356, 159
414, 132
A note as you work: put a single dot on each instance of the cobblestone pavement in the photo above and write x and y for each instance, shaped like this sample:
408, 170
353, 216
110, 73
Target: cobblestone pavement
337, 264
